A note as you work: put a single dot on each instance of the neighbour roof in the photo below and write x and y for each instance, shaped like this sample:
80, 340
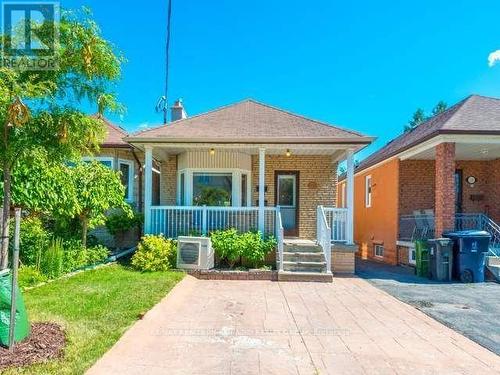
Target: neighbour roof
114, 135
249, 122
473, 115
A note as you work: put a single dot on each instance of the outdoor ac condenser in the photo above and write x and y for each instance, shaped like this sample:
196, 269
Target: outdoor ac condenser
194, 253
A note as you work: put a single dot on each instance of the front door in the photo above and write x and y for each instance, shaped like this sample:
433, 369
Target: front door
287, 197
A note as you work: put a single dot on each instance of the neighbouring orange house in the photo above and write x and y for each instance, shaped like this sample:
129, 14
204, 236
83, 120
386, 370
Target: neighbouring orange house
443, 175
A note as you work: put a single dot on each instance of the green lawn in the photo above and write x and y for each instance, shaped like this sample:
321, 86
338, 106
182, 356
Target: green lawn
95, 308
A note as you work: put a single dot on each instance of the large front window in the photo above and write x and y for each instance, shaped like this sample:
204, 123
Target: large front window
212, 189
215, 187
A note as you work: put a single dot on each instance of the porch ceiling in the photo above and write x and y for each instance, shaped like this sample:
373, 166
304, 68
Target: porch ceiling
338, 152
465, 151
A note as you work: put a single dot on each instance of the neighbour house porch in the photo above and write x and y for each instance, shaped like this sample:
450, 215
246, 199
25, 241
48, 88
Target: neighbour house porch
453, 184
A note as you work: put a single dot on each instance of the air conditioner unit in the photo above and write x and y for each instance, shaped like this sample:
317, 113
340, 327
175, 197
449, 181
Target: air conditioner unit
194, 253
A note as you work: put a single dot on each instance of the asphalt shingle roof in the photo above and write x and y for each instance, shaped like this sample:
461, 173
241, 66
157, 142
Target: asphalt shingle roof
473, 115
114, 135
248, 120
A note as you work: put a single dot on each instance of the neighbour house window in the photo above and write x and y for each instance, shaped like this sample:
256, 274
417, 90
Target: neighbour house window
368, 191
126, 167
379, 251
212, 189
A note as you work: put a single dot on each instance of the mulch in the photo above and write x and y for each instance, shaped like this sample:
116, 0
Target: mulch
45, 342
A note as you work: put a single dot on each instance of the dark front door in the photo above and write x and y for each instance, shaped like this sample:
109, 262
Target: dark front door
287, 197
458, 190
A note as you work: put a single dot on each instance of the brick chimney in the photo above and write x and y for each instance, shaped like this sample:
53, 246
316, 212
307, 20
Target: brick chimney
177, 111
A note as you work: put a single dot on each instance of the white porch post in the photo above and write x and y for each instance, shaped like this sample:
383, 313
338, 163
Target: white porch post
262, 183
148, 187
350, 197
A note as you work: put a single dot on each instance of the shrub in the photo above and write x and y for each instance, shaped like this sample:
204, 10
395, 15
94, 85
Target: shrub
154, 253
30, 276
120, 221
34, 239
254, 248
96, 254
51, 264
75, 255
225, 245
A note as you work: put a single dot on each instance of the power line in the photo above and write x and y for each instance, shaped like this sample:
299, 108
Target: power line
162, 104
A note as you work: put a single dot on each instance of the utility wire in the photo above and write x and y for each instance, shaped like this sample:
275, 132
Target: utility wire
162, 104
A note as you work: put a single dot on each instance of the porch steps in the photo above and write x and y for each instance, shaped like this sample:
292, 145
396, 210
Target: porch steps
303, 260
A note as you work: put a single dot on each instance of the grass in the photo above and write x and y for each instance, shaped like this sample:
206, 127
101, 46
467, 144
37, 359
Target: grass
95, 308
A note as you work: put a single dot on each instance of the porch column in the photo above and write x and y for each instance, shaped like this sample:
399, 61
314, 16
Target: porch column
262, 184
148, 187
350, 197
444, 199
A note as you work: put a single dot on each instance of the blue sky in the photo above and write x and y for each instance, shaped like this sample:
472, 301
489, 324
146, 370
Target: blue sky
365, 65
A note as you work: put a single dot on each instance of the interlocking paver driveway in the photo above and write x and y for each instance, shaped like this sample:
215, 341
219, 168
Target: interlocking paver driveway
260, 327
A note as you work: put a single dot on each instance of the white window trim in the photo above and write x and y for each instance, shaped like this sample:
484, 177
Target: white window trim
131, 176
375, 250
100, 158
236, 184
368, 193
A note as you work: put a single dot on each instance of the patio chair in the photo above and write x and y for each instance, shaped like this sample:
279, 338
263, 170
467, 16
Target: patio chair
430, 220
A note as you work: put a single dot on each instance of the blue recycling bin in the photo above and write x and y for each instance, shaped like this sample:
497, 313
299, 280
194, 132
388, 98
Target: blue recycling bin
469, 254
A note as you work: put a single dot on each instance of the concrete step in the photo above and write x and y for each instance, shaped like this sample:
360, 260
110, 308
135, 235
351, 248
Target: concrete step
305, 276
304, 266
295, 248
303, 256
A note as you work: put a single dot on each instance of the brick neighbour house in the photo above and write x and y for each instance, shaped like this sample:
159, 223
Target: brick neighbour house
251, 151
429, 169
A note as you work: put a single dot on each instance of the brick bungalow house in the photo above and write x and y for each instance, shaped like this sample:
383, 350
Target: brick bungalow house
443, 175
269, 169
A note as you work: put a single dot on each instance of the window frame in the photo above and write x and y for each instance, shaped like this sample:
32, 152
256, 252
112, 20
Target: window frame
378, 246
236, 174
368, 191
109, 159
131, 175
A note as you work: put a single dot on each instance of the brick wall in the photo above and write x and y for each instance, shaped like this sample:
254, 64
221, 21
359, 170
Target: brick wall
317, 184
493, 198
168, 181
416, 185
445, 188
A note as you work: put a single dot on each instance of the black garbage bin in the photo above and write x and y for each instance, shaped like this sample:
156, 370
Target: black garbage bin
469, 254
441, 259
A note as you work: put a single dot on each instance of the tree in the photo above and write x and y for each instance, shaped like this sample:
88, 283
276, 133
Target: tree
439, 108
417, 118
98, 189
40, 110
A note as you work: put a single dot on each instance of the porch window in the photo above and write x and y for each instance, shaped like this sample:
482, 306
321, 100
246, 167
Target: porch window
368, 191
212, 189
126, 168
244, 190
379, 251
182, 189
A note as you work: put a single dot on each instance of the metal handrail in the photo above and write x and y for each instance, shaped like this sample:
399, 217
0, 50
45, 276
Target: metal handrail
279, 238
323, 232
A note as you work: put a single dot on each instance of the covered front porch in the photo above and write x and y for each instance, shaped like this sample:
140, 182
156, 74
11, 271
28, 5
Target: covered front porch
216, 186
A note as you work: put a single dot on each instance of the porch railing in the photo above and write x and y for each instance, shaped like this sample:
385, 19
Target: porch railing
414, 227
337, 222
279, 238
174, 221
323, 233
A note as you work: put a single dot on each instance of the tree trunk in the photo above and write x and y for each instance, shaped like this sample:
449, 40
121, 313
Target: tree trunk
85, 226
4, 247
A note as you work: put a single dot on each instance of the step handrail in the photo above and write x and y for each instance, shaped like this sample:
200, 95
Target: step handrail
323, 235
279, 238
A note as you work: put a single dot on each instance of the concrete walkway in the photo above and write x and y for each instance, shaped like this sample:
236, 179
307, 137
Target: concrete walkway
261, 327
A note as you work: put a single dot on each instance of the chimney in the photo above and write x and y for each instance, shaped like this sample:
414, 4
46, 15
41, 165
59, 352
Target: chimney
177, 111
